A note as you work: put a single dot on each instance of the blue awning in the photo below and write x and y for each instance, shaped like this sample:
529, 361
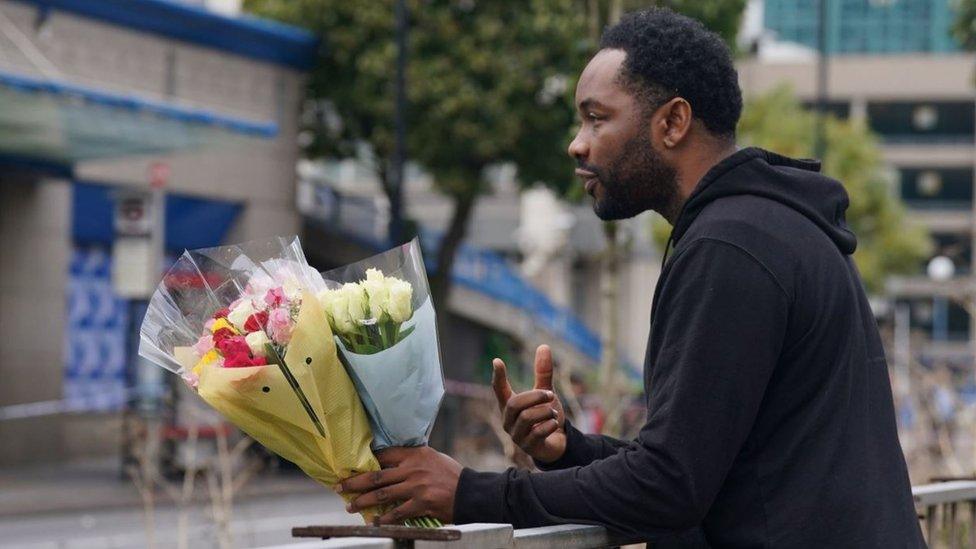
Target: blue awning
191, 221
66, 123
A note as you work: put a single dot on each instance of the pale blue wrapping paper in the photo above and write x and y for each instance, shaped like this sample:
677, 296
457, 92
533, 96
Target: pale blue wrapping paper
401, 387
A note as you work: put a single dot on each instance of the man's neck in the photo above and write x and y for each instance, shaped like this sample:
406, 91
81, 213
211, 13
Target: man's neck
692, 169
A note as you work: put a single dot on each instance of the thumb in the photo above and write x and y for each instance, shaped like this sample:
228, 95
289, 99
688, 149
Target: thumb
499, 382
543, 368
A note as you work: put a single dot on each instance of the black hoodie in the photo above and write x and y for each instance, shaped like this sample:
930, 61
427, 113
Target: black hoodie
770, 420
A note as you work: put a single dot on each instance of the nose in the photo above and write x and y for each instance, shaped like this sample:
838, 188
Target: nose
578, 148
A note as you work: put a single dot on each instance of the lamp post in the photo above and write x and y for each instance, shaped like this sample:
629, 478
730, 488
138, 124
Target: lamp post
940, 269
395, 229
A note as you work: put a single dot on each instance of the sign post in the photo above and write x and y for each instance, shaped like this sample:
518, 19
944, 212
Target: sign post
137, 261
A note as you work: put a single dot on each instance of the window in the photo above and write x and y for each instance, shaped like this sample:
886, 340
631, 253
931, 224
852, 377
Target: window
937, 188
942, 121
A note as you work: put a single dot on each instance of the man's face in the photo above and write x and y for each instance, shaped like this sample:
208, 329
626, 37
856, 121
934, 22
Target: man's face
617, 161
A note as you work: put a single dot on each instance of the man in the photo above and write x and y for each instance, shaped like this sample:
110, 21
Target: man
769, 413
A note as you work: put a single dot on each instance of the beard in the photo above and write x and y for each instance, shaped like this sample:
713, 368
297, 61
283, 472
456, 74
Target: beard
639, 179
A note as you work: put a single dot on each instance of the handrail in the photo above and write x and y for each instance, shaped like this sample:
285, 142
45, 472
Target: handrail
938, 502
482, 536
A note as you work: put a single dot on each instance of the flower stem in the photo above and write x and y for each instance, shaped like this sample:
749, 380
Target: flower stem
273, 354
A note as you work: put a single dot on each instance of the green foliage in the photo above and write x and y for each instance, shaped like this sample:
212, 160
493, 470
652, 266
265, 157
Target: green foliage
888, 243
488, 82
964, 26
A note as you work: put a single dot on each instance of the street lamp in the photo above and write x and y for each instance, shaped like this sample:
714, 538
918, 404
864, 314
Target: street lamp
940, 269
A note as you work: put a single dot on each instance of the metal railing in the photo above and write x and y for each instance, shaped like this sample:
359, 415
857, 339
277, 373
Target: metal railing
947, 511
481, 536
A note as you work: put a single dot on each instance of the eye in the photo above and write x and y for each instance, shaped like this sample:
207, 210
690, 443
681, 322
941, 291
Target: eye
590, 115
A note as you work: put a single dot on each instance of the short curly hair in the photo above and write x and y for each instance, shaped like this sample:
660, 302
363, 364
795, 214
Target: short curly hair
670, 55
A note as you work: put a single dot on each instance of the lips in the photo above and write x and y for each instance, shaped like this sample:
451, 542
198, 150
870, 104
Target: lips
589, 184
589, 180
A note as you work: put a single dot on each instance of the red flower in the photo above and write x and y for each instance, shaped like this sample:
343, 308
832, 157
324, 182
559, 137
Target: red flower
222, 313
242, 360
233, 345
221, 335
256, 321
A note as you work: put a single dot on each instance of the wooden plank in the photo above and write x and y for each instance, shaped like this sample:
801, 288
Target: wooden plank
388, 532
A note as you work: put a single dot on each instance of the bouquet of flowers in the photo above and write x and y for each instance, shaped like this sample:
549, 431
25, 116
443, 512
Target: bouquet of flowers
381, 315
242, 325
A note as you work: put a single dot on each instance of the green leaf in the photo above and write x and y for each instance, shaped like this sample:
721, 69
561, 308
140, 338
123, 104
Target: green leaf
404, 333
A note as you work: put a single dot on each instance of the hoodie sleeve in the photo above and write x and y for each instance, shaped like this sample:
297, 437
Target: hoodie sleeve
716, 338
582, 449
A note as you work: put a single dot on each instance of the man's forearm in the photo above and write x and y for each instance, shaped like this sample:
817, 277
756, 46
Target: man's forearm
583, 449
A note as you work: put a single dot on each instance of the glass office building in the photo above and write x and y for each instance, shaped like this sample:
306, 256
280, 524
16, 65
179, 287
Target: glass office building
866, 26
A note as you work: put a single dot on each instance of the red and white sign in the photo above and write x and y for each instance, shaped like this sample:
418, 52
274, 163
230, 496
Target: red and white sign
159, 174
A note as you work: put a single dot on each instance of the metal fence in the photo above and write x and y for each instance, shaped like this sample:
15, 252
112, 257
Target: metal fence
947, 511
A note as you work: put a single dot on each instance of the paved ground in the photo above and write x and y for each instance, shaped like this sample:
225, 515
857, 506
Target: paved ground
88, 506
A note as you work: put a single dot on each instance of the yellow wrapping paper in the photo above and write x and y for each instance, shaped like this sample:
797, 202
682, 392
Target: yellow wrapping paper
259, 401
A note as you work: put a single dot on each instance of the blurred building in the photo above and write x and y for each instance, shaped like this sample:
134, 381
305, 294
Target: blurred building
894, 65
528, 271
98, 99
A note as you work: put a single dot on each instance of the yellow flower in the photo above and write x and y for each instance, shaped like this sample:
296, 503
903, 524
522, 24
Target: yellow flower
223, 323
206, 359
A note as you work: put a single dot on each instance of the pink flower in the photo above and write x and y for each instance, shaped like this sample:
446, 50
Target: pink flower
192, 380
208, 325
275, 297
280, 326
203, 345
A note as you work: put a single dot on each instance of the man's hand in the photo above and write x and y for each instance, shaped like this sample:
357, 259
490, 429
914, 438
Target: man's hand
421, 480
534, 419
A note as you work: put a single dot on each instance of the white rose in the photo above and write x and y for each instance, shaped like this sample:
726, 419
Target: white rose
357, 305
238, 315
399, 307
257, 341
325, 299
376, 286
338, 309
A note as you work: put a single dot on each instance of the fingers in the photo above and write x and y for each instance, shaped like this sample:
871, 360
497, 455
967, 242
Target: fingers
543, 368
371, 481
393, 456
408, 509
499, 383
520, 402
380, 496
528, 419
537, 435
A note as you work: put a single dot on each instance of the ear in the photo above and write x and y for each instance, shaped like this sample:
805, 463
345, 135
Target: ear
671, 122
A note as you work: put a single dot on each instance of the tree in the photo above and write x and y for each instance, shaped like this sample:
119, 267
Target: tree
488, 83
964, 26
887, 242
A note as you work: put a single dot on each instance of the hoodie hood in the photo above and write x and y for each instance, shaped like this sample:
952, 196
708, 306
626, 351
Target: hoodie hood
797, 184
